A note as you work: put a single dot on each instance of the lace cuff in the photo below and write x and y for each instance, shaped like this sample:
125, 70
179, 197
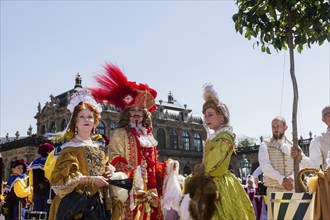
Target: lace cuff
69, 186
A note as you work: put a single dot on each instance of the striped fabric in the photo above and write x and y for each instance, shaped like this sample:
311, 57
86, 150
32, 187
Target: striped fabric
281, 162
295, 206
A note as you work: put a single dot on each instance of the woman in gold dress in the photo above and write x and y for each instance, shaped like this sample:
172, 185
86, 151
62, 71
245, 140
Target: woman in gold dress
80, 170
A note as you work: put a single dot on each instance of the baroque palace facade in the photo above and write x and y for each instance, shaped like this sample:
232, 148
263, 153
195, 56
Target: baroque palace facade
179, 132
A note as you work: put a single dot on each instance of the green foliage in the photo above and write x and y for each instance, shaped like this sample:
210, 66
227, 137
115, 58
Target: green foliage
245, 141
267, 21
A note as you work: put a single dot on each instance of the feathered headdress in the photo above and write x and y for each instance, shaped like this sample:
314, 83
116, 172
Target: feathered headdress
210, 94
211, 97
114, 87
83, 95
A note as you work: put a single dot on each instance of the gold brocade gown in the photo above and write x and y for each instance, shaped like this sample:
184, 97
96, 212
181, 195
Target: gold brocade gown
233, 202
73, 162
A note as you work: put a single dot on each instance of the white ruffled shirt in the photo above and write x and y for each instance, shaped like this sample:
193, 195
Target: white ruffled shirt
317, 147
145, 139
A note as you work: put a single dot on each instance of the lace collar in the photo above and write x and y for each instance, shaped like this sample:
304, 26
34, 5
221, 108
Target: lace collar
144, 135
227, 128
78, 141
139, 128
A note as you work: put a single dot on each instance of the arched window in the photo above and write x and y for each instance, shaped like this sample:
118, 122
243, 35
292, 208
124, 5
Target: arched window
185, 140
197, 142
161, 138
173, 139
101, 128
113, 125
63, 124
52, 127
43, 129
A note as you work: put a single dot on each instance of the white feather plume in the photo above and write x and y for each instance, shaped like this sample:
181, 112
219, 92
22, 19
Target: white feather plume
210, 93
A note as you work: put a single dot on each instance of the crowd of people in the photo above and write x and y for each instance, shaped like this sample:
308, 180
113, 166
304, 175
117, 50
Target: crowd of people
88, 176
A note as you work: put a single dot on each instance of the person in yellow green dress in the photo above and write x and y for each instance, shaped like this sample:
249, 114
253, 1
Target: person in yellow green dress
17, 192
215, 192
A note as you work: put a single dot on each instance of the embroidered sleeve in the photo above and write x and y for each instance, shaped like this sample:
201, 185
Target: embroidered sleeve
120, 164
117, 149
67, 172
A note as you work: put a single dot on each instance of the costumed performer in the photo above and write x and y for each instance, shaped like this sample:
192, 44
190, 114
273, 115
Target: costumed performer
80, 170
251, 189
37, 180
18, 195
133, 148
215, 192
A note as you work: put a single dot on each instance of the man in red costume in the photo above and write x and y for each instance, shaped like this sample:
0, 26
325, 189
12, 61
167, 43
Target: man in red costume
133, 149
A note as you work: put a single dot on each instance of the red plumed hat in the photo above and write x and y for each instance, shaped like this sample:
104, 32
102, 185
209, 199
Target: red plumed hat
118, 91
45, 149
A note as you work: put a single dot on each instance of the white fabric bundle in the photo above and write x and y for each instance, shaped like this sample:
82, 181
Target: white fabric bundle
184, 208
121, 193
171, 188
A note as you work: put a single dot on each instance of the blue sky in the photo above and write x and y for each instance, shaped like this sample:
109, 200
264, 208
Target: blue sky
173, 46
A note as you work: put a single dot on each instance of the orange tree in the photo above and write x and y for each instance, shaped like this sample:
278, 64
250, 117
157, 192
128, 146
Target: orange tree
285, 24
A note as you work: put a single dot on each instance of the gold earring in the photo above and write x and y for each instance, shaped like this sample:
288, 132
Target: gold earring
75, 130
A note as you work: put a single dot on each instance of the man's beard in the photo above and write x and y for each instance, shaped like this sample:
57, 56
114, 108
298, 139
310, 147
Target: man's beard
278, 136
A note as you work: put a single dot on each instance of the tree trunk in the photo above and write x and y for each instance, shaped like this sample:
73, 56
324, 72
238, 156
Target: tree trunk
295, 99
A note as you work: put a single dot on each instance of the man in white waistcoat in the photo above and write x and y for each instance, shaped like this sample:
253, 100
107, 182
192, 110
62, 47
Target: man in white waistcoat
319, 147
276, 162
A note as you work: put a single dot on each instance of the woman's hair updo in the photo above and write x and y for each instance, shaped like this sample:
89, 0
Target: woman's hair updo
212, 101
